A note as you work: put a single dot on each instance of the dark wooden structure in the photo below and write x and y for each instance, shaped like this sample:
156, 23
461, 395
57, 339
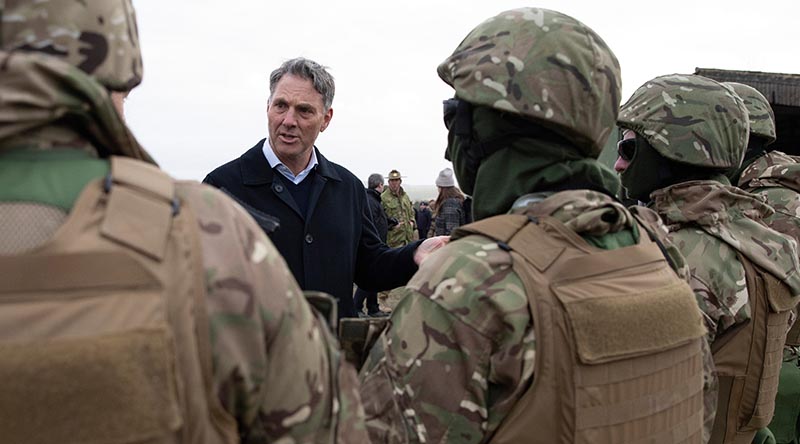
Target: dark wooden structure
783, 93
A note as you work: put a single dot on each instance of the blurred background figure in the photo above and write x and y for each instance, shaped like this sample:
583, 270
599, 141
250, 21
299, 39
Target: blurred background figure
397, 205
424, 218
374, 190
449, 213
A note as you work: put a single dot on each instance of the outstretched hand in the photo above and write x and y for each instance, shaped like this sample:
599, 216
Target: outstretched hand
428, 246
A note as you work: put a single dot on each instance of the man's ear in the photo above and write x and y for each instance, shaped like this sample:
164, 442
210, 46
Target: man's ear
326, 120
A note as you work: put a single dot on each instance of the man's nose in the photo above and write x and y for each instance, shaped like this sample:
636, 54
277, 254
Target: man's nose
290, 118
621, 165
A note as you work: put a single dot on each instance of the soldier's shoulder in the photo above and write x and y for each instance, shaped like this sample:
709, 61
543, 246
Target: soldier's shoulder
233, 243
473, 279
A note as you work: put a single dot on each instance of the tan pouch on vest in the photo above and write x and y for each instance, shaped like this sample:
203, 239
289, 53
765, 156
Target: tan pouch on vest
103, 330
618, 336
748, 360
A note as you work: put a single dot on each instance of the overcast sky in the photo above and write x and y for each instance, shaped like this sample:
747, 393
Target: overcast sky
207, 63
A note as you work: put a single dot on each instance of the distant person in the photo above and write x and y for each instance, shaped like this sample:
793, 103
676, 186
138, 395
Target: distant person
424, 217
137, 308
326, 232
397, 205
374, 189
554, 317
449, 213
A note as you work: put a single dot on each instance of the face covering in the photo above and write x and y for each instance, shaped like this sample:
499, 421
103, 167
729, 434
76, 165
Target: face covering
647, 172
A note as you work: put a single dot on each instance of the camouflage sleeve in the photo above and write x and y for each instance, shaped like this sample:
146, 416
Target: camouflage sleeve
453, 360
276, 367
717, 279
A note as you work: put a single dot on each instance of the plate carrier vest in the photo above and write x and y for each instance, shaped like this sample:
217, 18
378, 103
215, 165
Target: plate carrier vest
104, 334
748, 359
618, 340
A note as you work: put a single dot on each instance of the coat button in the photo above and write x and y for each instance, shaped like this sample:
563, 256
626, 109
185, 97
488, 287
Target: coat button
279, 188
309, 238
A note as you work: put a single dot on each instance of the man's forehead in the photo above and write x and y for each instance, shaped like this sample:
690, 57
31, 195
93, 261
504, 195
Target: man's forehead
298, 89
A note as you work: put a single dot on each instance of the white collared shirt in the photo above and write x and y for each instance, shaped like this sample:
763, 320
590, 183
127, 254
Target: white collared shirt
274, 162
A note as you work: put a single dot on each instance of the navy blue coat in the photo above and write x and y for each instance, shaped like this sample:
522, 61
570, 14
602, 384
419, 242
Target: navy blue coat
378, 214
336, 244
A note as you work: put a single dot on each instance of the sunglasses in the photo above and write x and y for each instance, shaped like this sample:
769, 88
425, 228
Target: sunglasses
449, 108
626, 149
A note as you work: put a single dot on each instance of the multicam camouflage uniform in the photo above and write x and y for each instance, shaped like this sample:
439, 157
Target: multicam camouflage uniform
276, 368
399, 207
692, 120
697, 121
710, 223
460, 350
774, 176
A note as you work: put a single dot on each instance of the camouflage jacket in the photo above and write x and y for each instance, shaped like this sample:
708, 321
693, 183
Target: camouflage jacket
460, 349
276, 368
776, 177
400, 208
711, 223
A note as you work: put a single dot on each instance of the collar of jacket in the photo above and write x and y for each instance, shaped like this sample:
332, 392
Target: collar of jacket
256, 169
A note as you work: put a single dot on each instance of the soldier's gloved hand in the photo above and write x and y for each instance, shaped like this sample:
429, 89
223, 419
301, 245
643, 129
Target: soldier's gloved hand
428, 246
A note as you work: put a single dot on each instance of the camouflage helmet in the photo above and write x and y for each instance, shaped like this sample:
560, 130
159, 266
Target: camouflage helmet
97, 36
545, 66
762, 118
689, 119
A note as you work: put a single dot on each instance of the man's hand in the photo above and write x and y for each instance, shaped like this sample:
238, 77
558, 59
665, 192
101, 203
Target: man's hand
428, 246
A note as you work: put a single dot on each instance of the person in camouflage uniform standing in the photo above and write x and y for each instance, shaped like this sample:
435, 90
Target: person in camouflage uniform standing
766, 172
468, 351
774, 176
276, 372
681, 135
398, 206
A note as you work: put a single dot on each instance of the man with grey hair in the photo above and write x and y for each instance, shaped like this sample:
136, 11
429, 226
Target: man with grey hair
374, 190
326, 231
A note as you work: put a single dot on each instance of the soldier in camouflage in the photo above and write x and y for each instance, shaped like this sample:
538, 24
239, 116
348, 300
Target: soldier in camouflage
277, 371
775, 176
766, 172
536, 97
398, 206
681, 135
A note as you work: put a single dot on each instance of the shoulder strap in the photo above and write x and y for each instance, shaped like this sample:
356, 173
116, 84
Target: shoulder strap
141, 203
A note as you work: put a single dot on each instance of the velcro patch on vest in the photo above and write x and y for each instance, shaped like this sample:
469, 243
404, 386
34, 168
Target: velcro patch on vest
617, 326
111, 389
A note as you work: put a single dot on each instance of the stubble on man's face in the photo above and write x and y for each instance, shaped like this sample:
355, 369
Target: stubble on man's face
394, 185
295, 116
